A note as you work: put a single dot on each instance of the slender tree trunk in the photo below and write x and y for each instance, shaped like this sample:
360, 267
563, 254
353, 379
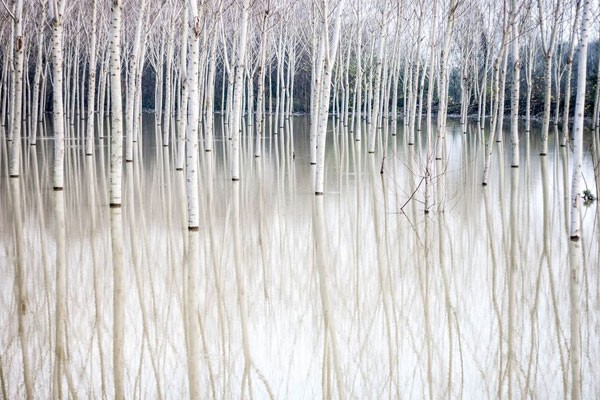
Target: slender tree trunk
371, 139
261, 87
183, 99
567, 105
529, 82
89, 143
576, 203
193, 117
17, 117
501, 99
56, 14
489, 146
514, 98
168, 84
444, 80
210, 94
548, 45
328, 64
134, 65
238, 93
116, 103
193, 206
37, 84
357, 108
317, 88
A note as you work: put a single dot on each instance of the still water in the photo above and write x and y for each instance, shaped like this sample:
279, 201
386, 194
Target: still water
356, 294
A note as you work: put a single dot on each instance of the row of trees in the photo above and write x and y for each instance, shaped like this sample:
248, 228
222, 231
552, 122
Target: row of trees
377, 60
282, 49
374, 60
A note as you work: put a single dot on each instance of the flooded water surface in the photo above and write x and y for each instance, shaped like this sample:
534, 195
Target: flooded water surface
283, 294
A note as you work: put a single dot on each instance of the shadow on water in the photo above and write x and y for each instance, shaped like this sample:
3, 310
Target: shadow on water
280, 294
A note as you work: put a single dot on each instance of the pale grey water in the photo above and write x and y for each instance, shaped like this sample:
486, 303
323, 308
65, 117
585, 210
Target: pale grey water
357, 294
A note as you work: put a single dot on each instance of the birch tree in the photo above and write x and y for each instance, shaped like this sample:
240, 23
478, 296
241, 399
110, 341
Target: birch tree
193, 356
19, 59
576, 204
262, 61
569, 66
134, 67
236, 117
516, 77
548, 36
575, 223
57, 10
374, 123
183, 102
91, 106
444, 76
193, 110
328, 56
116, 103
36, 109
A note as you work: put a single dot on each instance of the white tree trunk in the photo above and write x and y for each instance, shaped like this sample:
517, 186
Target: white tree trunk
134, 65
193, 117
37, 84
567, 103
260, 115
317, 87
238, 93
514, 98
169, 84
183, 103
193, 112
209, 120
357, 107
548, 45
575, 228
328, 64
14, 159
56, 14
378, 83
116, 104
89, 143
443, 87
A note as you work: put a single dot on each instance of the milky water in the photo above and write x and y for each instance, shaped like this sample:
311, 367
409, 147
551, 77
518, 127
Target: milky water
355, 294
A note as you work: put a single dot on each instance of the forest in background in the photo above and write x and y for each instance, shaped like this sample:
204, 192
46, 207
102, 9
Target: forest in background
411, 34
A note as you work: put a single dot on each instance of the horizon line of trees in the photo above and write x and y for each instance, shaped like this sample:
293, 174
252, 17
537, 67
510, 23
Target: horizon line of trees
153, 50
